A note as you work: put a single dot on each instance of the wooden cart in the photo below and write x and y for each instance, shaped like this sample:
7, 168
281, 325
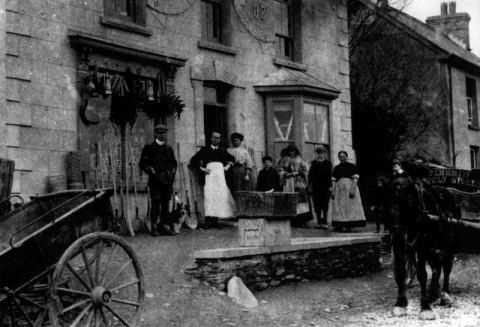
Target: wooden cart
60, 265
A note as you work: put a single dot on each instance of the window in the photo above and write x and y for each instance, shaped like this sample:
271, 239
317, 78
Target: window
474, 157
472, 102
125, 11
283, 28
292, 119
212, 12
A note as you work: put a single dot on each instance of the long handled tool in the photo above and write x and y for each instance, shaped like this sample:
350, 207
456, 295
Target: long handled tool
200, 219
134, 178
114, 180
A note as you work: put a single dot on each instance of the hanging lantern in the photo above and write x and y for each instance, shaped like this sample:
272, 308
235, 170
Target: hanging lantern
150, 92
107, 84
90, 85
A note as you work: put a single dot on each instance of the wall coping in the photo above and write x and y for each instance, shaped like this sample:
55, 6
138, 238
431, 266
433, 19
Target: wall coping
298, 244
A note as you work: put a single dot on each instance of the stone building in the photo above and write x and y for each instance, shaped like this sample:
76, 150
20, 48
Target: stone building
275, 70
450, 80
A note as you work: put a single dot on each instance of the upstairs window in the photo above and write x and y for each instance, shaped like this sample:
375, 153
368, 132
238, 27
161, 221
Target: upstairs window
284, 28
474, 157
472, 102
126, 11
212, 24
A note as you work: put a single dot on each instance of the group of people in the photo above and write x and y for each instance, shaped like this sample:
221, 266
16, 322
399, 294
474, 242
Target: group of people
222, 172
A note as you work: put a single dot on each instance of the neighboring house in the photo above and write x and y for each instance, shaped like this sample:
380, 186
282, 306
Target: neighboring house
276, 71
449, 80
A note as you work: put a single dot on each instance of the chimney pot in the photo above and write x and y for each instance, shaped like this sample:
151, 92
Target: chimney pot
443, 9
452, 8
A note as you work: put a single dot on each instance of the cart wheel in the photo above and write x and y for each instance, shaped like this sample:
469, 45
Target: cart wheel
27, 305
97, 282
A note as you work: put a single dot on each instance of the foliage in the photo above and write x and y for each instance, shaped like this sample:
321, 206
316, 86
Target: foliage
395, 92
167, 104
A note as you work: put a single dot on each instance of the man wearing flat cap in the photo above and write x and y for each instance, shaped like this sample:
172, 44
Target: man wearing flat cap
159, 163
320, 183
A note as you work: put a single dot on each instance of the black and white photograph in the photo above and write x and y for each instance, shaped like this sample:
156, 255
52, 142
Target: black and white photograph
239, 163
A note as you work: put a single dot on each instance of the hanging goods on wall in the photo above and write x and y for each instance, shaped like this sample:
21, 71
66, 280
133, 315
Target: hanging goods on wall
107, 84
150, 92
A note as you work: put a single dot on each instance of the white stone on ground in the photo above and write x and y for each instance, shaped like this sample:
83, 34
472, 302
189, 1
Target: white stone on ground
241, 294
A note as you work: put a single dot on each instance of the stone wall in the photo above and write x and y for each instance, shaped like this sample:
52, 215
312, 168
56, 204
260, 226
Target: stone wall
259, 272
463, 135
42, 99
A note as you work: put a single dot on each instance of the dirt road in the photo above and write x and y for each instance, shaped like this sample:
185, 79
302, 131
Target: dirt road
175, 299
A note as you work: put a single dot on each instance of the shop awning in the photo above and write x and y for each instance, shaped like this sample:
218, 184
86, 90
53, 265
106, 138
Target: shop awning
80, 39
289, 81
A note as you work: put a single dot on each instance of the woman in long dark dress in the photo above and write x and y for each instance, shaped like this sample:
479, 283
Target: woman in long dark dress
347, 209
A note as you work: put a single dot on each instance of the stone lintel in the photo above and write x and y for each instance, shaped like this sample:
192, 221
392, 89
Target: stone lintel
298, 244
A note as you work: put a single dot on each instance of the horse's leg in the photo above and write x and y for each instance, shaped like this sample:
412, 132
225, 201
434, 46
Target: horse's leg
434, 289
426, 312
446, 300
399, 245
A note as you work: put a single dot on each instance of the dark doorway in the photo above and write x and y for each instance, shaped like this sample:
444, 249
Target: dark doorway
215, 119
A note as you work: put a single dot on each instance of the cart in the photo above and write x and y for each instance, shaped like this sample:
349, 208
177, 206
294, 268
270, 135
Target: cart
60, 265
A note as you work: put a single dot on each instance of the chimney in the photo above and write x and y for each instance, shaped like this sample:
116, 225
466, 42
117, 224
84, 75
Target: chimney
452, 23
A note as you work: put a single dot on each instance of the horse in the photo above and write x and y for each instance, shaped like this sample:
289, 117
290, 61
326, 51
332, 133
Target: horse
419, 239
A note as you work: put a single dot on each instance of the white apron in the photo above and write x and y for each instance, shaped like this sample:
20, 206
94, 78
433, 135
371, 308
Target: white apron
218, 198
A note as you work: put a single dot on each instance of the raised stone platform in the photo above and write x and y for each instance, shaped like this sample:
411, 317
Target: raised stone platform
305, 258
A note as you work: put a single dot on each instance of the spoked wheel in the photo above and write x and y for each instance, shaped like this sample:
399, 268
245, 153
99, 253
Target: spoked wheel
97, 282
26, 305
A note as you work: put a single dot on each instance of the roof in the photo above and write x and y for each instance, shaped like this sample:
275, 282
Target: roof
288, 81
433, 36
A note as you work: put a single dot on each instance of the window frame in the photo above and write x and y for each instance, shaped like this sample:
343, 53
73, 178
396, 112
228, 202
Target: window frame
294, 25
474, 151
136, 23
472, 105
220, 21
298, 120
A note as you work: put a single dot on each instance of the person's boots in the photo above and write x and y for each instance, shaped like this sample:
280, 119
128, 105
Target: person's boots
153, 229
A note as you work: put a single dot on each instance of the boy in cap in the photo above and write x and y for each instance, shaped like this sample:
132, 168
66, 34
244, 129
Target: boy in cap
268, 178
159, 163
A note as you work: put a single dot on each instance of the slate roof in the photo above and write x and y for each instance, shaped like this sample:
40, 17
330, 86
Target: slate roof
428, 33
286, 79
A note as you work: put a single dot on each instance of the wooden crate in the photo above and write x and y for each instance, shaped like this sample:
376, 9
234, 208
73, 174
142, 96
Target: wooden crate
264, 232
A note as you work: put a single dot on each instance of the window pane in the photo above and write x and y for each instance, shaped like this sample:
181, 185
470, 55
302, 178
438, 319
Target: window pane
309, 130
121, 7
284, 23
284, 123
322, 124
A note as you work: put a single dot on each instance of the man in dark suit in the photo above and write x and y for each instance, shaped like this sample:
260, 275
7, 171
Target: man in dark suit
159, 163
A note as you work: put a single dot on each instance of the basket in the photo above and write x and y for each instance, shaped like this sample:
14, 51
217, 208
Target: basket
266, 205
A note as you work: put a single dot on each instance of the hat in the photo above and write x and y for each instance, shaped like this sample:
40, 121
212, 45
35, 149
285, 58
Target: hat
160, 128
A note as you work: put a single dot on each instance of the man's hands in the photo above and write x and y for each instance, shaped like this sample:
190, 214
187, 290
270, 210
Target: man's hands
352, 193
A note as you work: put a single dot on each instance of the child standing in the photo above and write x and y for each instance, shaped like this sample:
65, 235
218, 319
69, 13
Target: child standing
268, 177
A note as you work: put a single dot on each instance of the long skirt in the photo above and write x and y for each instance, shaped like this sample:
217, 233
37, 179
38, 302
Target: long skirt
238, 179
345, 211
218, 198
297, 185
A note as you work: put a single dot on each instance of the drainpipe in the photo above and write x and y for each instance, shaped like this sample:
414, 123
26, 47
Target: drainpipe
452, 130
